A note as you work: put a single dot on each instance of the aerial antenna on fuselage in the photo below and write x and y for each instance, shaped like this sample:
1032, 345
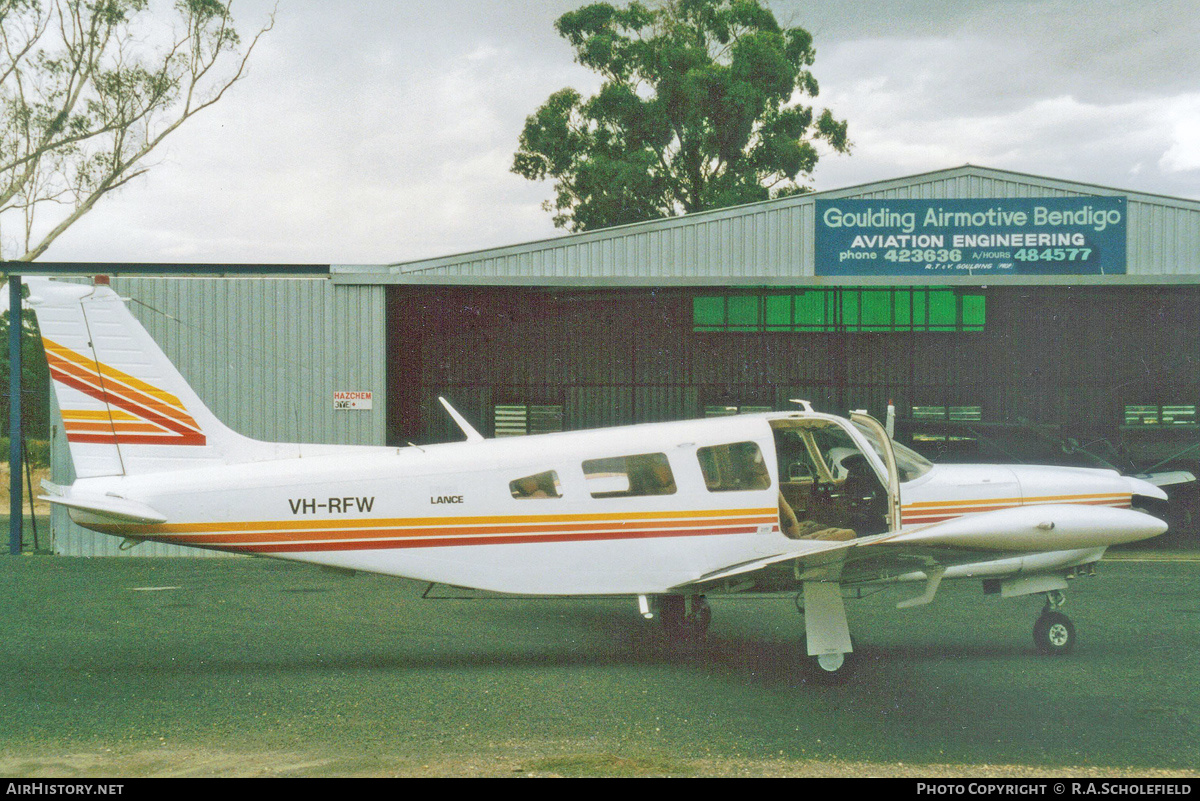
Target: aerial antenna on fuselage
803, 404
472, 434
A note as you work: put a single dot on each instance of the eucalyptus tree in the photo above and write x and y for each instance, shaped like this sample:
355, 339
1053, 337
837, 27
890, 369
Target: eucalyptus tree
702, 105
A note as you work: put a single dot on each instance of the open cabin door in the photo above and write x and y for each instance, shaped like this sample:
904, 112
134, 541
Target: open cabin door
882, 444
835, 482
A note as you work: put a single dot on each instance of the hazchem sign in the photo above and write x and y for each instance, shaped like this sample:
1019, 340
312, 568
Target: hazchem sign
351, 401
983, 237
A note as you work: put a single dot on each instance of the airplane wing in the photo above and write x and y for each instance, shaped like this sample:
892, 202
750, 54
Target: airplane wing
984, 537
1167, 478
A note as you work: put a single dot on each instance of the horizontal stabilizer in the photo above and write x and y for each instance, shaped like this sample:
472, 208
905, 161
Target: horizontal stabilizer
109, 507
1050, 527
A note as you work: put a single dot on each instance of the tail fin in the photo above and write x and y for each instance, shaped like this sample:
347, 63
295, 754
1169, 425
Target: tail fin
126, 410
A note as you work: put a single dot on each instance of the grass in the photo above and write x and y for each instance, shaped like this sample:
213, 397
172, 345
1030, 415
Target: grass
253, 667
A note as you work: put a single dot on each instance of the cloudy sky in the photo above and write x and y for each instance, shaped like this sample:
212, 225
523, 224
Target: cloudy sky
379, 131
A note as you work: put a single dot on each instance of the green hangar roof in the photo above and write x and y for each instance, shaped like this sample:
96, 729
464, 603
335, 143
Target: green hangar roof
1097, 235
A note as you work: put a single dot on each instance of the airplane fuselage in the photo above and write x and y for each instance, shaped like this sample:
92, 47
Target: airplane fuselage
453, 514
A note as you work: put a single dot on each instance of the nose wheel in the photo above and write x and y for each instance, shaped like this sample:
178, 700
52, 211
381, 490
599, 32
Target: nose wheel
1054, 633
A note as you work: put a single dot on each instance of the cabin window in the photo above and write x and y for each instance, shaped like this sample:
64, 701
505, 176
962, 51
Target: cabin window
540, 485
909, 464
629, 476
737, 466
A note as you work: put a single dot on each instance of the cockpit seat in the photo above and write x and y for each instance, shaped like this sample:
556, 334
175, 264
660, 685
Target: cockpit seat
812, 530
808, 529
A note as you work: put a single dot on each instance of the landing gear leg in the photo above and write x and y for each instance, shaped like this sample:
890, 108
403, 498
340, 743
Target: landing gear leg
827, 632
684, 619
1053, 633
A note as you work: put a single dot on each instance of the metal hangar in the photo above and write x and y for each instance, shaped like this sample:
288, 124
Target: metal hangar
966, 295
972, 293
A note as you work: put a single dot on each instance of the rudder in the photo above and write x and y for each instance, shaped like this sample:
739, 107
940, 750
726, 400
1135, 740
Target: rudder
126, 409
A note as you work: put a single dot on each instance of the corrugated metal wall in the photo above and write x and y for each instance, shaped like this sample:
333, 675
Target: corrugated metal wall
1053, 355
774, 239
266, 355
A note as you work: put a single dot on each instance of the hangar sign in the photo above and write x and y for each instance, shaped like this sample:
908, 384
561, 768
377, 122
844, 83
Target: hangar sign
983, 237
345, 400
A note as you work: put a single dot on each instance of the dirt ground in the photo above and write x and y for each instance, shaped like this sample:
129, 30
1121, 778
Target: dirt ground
39, 474
176, 763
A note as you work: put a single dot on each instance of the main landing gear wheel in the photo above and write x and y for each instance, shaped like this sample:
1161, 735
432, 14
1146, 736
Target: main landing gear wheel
832, 669
684, 619
1054, 633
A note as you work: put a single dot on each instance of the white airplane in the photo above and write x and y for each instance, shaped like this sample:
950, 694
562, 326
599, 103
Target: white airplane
665, 513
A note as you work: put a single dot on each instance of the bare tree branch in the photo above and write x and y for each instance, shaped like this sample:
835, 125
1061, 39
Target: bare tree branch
84, 100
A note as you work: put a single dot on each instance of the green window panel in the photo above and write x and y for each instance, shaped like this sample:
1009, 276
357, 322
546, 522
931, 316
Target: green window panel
812, 311
903, 310
929, 412
943, 311
726, 411
743, 312
961, 414
519, 419
779, 312
708, 313
943, 414
841, 310
974, 312
966, 414
1154, 415
920, 309
877, 313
